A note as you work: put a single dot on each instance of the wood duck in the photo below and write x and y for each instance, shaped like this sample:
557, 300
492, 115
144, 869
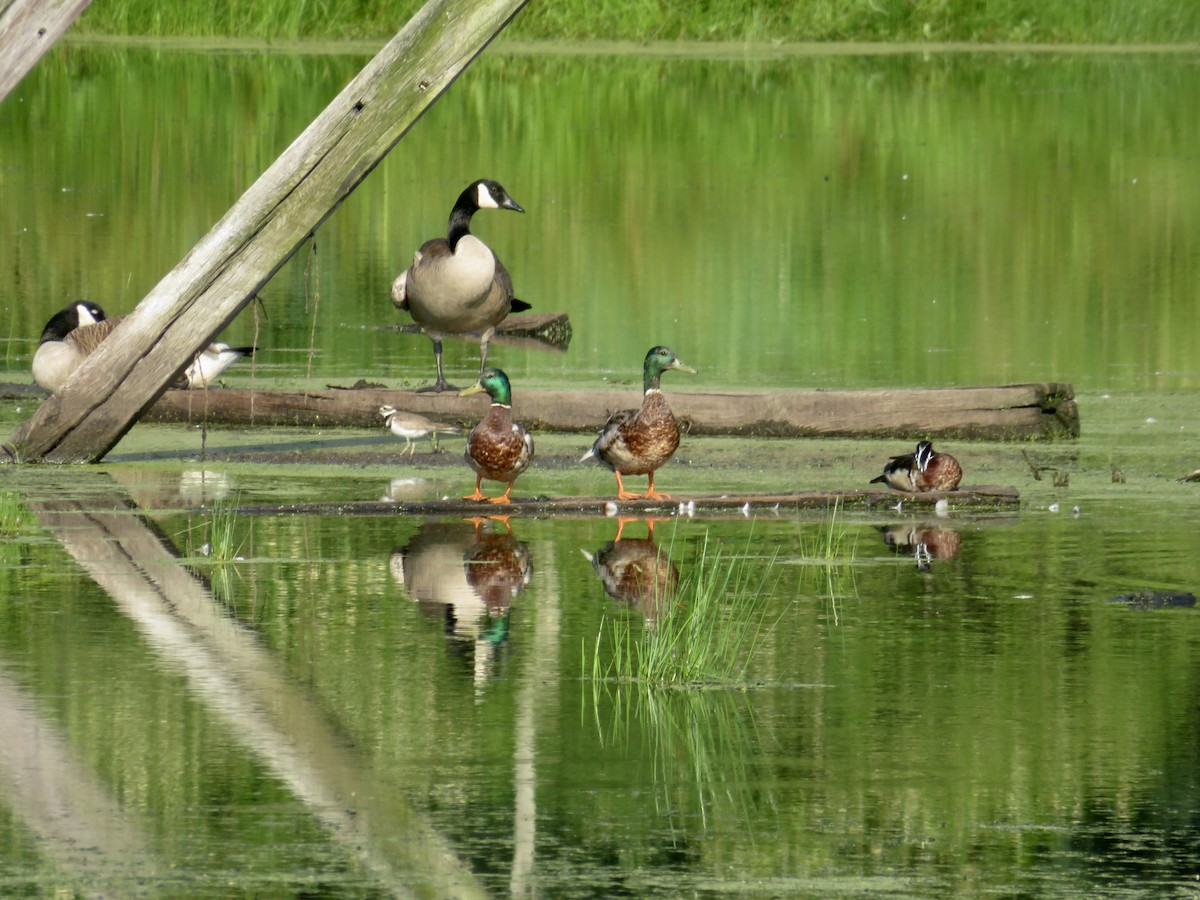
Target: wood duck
411, 425
76, 332
922, 470
498, 448
639, 441
924, 543
457, 284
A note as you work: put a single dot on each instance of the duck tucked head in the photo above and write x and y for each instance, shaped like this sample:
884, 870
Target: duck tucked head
67, 320
495, 384
923, 455
659, 360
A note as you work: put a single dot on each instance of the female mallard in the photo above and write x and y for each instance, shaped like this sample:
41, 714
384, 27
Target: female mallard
922, 470
498, 449
638, 441
457, 284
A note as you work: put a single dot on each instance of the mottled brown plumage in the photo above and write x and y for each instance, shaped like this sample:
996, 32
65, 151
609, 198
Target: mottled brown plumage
639, 441
636, 571
498, 448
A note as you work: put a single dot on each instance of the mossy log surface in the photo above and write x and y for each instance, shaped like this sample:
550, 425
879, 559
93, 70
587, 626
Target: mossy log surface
1042, 411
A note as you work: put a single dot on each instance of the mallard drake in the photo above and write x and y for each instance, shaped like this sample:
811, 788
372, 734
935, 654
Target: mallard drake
74, 333
639, 441
410, 425
457, 284
922, 470
498, 448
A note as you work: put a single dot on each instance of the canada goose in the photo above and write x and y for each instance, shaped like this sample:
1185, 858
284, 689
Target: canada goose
498, 449
638, 441
921, 470
457, 284
74, 333
410, 425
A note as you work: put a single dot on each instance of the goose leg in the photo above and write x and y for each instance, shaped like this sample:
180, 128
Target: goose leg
440, 385
484, 340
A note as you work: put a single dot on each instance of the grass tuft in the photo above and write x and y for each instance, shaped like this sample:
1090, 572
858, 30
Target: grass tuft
706, 634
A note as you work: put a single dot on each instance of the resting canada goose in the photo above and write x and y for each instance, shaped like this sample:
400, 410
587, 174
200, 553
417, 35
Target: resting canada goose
457, 284
638, 441
410, 425
74, 333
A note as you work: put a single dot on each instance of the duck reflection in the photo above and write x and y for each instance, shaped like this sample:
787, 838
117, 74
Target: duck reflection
466, 573
923, 542
636, 571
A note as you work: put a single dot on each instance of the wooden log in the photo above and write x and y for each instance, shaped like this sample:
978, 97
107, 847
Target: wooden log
1014, 412
282, 209
28, 28
709, 505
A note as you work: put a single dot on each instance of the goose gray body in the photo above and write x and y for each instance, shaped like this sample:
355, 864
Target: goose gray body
456, 284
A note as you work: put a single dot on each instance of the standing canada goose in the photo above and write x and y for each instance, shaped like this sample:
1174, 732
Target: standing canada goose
639, 441
498, 448
410, 425
457, 284
922, 470
74, 333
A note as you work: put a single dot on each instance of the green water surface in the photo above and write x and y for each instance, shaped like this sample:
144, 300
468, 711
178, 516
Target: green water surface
394, 706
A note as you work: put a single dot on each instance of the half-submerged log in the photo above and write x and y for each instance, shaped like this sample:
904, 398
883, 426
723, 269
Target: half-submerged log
219, 276
974, 499
1015, 412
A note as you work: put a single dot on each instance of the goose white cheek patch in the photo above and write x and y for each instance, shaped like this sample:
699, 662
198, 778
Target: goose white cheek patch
485, 199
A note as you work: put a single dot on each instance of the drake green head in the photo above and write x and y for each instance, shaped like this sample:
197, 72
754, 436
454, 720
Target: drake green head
659, 360
494, 383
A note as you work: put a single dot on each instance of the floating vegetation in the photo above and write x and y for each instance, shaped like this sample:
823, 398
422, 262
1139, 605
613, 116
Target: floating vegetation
705, 635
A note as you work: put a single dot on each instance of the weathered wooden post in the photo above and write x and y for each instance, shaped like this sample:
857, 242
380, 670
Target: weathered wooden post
219, 276
28, 28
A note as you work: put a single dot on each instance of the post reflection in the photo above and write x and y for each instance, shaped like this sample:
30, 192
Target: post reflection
923, 541
636, 571
467, 573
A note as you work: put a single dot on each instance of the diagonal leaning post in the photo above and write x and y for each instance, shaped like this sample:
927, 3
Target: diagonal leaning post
220, 275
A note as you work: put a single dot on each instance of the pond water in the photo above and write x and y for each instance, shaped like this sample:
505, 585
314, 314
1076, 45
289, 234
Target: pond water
1001, 703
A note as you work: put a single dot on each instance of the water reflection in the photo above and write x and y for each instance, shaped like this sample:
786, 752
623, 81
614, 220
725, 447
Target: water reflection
923, 541
636, 571
467, 573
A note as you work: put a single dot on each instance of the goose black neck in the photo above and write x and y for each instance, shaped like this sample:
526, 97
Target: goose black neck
460, 217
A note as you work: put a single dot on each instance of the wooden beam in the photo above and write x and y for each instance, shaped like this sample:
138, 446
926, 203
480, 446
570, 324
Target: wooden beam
28, 28
218, 277
1013, 412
